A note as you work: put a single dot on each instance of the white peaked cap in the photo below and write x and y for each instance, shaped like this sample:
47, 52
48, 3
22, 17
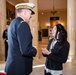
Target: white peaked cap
29, 6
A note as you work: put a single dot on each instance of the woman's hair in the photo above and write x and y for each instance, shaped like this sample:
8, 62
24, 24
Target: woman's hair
62, 37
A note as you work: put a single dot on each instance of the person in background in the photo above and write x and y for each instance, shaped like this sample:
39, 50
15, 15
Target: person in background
56, 52
5, 38
20, 51
39, 34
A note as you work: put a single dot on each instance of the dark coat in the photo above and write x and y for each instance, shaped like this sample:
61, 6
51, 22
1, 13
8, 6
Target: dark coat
21, 51
59, 55
4, 36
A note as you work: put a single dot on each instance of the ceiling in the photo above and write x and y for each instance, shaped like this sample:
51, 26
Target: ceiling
45, 4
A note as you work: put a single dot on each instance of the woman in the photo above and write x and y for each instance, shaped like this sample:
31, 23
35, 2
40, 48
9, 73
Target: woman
56, 52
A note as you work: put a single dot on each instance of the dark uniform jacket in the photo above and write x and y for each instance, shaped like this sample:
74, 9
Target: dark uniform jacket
58, 56
21, 51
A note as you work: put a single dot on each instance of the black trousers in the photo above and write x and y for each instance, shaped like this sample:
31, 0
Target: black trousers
6, 50
48, 73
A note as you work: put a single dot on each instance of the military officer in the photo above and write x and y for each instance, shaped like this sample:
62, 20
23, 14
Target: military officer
21, 51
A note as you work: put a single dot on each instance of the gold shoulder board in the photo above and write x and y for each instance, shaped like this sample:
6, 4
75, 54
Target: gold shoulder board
22, 21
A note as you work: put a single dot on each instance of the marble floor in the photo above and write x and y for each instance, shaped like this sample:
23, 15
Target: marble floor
38, 64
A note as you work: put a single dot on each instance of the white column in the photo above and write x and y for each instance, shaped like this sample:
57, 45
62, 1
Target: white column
71, 27
2, 23
34, 24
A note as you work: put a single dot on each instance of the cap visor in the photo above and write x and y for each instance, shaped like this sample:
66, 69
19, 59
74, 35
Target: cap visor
33, 12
